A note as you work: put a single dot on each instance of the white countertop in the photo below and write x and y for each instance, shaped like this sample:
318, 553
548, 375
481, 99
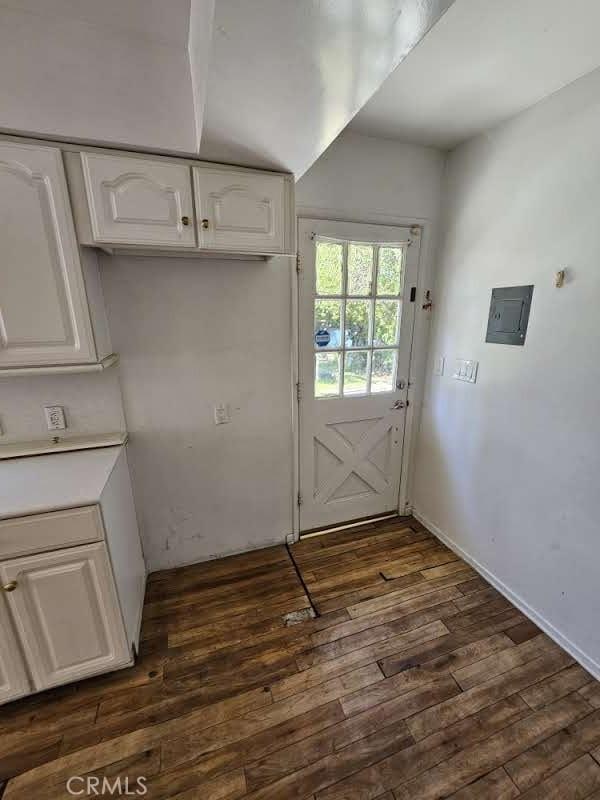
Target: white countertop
36, 484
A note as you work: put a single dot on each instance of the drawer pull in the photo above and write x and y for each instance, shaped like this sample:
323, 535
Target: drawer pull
185, 220
205, 224
9, 587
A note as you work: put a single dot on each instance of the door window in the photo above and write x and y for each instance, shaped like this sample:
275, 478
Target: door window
357, 312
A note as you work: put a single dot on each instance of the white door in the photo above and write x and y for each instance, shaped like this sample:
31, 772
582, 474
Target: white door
13, 675
240, 211
138, 201
66, 612
356, 321
44, 317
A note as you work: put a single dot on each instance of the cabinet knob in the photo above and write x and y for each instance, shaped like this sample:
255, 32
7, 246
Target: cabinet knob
205, 224
9, 587
185, 220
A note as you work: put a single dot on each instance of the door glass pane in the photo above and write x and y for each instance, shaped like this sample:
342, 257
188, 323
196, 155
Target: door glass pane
358, 319
383, 372
389, 270
356, 369
360, 268
329, 267
328, 324
386, 322
327, 374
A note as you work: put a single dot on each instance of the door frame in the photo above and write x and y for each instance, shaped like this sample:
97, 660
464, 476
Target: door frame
418, 357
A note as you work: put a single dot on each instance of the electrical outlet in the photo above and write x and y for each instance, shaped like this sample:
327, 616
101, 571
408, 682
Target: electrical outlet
55, 418
222, 415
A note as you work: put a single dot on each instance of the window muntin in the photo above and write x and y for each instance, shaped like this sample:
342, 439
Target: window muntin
357, 313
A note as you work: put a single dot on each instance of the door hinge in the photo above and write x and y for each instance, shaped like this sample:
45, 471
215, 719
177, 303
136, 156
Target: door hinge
298, 391
298, 267
299, 498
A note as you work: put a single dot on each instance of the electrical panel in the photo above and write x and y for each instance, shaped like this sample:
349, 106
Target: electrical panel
509, 315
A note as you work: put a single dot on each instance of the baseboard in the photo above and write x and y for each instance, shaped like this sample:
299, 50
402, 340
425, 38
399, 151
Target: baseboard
582, 658
279, 540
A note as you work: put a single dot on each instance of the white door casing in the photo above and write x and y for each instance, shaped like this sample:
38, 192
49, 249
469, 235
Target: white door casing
44, 316
351, 442
66, 613
240, 211
134, 201
13, 674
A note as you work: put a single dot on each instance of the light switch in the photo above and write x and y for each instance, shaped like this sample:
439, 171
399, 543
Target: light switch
440, 363
466, 370
222, 415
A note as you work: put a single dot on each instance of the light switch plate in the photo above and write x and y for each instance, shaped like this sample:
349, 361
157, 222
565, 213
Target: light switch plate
466, 370
438, 367
222, 415
55, 418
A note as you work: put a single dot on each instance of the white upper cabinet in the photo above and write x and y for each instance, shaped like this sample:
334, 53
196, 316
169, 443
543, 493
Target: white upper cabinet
135, 201
44, 315
243, 211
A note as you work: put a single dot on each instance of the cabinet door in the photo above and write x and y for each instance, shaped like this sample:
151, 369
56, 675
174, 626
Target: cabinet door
44, 316
66, 613
13, 675
141, 202
240, 211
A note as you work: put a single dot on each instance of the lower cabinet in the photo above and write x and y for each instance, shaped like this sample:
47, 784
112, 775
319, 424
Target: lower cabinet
14, 681
66, 614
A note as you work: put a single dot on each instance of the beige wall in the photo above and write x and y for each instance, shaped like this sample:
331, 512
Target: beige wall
508, 468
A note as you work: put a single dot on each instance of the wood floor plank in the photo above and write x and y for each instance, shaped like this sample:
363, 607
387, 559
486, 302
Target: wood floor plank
202, 741
496, 785
556, 686
408, 592
473, 762
418, 627
591, 692
573, 782
335, 767
369, 783
227, 701
540, 761
487, 693
513, 656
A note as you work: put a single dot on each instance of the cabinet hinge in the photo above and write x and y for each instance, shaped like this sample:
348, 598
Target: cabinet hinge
298, 391
300, 500
298, 267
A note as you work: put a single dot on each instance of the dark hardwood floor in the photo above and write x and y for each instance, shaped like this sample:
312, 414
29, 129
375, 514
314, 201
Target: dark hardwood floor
416, 681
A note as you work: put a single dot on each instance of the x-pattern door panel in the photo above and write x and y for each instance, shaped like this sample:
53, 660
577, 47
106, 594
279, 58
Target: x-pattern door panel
356, 322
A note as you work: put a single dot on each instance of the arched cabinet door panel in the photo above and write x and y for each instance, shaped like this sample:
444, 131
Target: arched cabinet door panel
241, 211
134, 201
44, 315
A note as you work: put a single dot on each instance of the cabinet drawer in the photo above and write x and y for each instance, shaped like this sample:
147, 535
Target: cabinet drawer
42, 532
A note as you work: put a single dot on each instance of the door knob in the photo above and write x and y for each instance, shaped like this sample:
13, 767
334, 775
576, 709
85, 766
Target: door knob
9, 587
398, 405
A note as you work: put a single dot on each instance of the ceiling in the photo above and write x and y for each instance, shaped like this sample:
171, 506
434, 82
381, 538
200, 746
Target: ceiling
286, 76
266, 83
271, 83
483, 62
